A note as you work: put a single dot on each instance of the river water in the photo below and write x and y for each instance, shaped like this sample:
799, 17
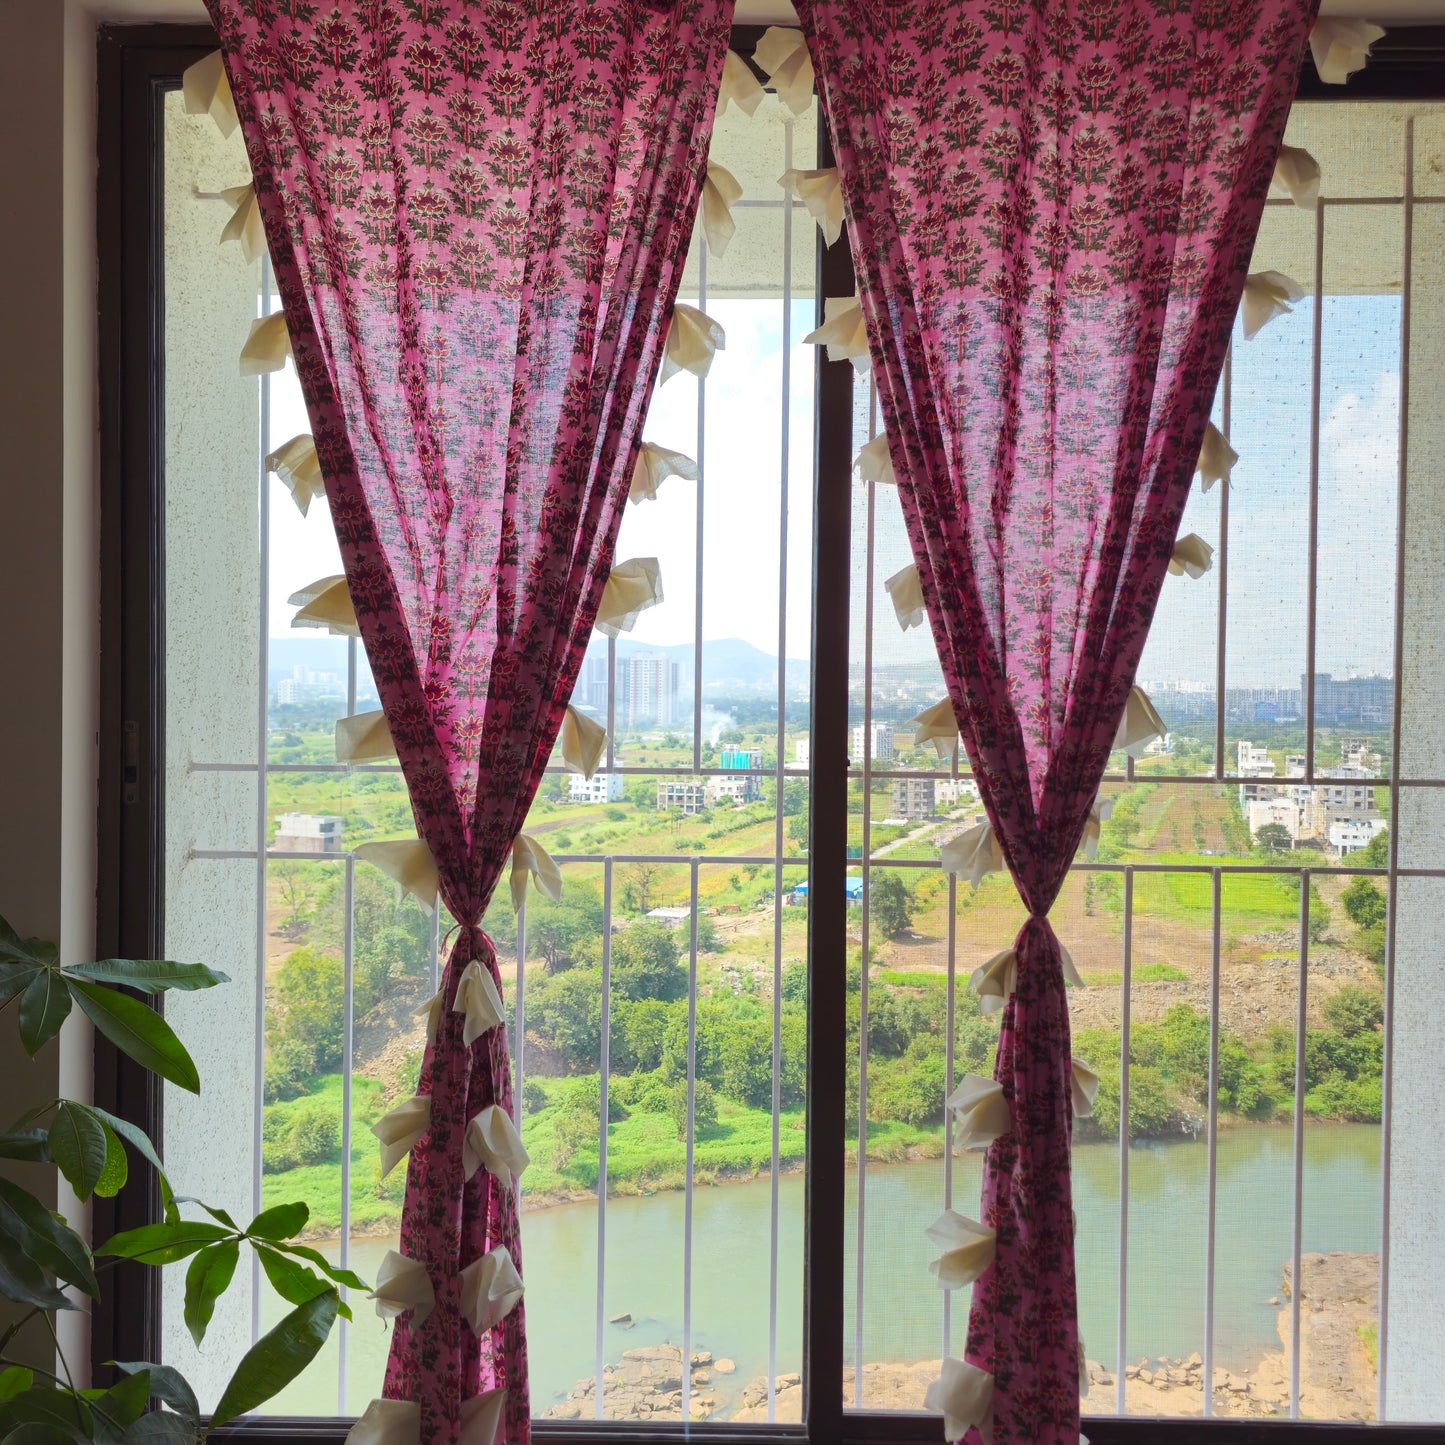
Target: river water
903, 1314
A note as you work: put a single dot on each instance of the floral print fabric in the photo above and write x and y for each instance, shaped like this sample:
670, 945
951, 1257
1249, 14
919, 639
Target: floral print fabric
478, 212
1052, 208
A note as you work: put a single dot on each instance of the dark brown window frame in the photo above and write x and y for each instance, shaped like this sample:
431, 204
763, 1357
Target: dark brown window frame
137, 65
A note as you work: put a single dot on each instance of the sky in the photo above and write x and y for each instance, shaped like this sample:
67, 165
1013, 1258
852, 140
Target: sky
740, 420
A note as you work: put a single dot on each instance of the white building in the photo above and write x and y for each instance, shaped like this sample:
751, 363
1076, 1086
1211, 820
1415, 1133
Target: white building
599, 788
954, 792
1349, 835
308, 833
684, 797
1274, 812
1253, 762
648, 683
882, 751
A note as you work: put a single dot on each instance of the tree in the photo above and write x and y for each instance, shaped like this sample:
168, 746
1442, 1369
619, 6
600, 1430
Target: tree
1355, 1009
557, 928
310, 999
889, 904
641, 884
1273, 838
1376, 853
297, 885
704, 1106
645, 963
1364, 903
567, 1011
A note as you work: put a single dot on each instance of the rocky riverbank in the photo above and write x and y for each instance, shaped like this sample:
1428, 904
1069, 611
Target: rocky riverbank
1337, 1371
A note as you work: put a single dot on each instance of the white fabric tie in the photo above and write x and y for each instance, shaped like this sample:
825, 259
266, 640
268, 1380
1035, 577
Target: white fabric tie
531, 859
963, 1395
410, 863
491, 1288
981, 1110
492, 1141
968, 1249
403, 1284
400, 1129
478, 999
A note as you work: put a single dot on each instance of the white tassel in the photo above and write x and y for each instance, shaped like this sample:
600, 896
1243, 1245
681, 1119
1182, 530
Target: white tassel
245, 222
403, 1284
720, 188
491, 1290
631, 588
906, 590
654, 466
822, 193
268, 344
326, 604
206, 90
968, 1249
693, 339
1084, 1084
1297, 174
299, 468
939, 725
531, 859
409, 862
1267, 294
981, 1110
994, 982
364, 738
1140, 725
843, 332
583, 741
1191, 555
387, 1422
1341, 47
874, 462
783, 55
739, 87
482, 1418
963, 1395
972, 854
400, 1129
492, 1141
478, 999
1216, 458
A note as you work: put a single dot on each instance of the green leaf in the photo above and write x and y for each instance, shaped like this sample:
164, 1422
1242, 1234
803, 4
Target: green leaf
163, 1243
16, 1378
160, 1427
44, 1006
293, 1282
138, 1030
31, 1145
150, 975
136, 1137
14, 949
278, 1357
218, 1214
23, 1281
77, 1144
36, 1433
167, 1385
331, 1271
45, 1408
118, 1408
46, 1239
113, 1175
281, 1221
206, 1280
14, 977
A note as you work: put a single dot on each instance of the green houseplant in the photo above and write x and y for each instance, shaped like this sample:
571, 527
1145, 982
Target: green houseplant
46, 1266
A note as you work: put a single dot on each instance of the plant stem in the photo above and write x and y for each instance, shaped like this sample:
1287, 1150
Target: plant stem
60, 1354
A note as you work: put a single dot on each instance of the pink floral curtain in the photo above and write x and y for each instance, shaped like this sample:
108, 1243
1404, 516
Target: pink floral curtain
478, 213
1052, 210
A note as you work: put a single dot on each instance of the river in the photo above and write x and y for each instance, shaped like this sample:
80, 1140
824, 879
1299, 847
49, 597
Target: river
902, 1309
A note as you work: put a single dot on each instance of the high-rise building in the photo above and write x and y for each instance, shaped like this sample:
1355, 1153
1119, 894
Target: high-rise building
1351, 699
913, 798
591, 690
882, 750
649, 682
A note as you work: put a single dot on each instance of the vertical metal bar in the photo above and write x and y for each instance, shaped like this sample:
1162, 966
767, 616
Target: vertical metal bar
611, 702
605, 1065
263, 701
1221, 566
948, 1085
436, 948
1314, 505
1216, 880
701, 510
824, 1266
860, 1228
1300, 1027
348, 1040
691, 1136
518, 1077
352, 644
1393, 881
1124, 1020
779, 781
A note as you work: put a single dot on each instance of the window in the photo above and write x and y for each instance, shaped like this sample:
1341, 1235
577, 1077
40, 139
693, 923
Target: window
1257, 932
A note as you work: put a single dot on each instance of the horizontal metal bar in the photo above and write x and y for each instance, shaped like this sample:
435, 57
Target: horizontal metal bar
341, 855
794, 771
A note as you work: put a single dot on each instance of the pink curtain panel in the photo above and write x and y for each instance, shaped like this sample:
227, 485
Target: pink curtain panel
478, 216
1052, 209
